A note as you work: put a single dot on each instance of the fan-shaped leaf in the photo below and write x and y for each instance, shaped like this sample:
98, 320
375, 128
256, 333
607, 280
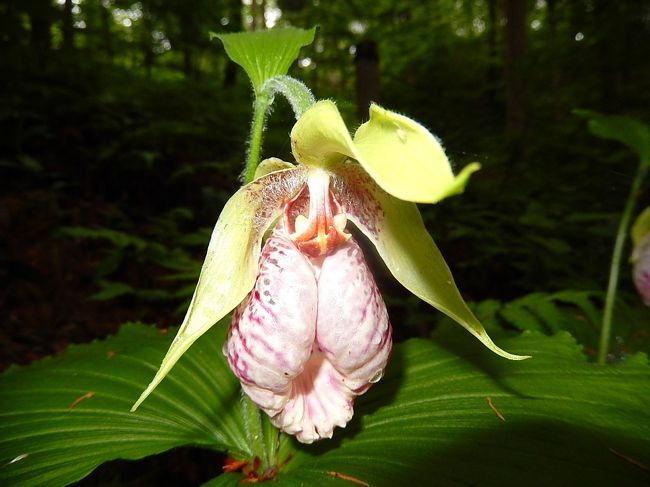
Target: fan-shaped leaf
443, 416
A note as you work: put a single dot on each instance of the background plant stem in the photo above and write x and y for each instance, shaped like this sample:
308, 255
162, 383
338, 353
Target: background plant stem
614, 270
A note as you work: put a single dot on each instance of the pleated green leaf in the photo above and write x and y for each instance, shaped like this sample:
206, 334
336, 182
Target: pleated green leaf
62, 417
434, 420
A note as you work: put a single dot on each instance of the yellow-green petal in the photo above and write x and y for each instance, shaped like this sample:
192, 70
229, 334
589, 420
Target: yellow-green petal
320, 137
396, 229
404, 158
230, 267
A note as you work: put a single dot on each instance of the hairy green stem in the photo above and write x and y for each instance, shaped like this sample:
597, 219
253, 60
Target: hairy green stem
263, 437
253, 423
300, 98
261, 106
296, 92
260, 438
271, 441
621, 235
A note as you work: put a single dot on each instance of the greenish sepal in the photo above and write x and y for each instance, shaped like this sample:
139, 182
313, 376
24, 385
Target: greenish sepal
396, 229
231, 264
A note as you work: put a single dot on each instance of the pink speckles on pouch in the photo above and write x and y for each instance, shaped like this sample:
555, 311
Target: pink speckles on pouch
312, 334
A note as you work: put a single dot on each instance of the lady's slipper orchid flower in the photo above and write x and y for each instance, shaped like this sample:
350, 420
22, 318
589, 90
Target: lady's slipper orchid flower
310, 330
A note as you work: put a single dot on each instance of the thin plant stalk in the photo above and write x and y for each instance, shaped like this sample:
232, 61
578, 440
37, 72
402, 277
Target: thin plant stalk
300, 98
253, 418
615, 267
260, 108
255, 431
263, 437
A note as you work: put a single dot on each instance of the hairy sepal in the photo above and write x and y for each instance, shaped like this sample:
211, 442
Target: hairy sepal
396, 229
231, 262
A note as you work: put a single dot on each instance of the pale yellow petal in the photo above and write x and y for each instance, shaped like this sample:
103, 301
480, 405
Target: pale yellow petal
404, 158
320, 137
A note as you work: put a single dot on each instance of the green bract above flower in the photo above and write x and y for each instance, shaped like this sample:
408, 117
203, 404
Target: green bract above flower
374, 180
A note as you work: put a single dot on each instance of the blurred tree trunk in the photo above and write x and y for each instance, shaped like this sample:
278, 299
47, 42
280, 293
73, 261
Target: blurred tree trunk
234, 13
187, 31
554, 50
612, 57
515, 47
11, 26
97, 33
146, 40
188, 61
106, 20
367, 80
515, 36
40, 19
492, 72
68, 26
